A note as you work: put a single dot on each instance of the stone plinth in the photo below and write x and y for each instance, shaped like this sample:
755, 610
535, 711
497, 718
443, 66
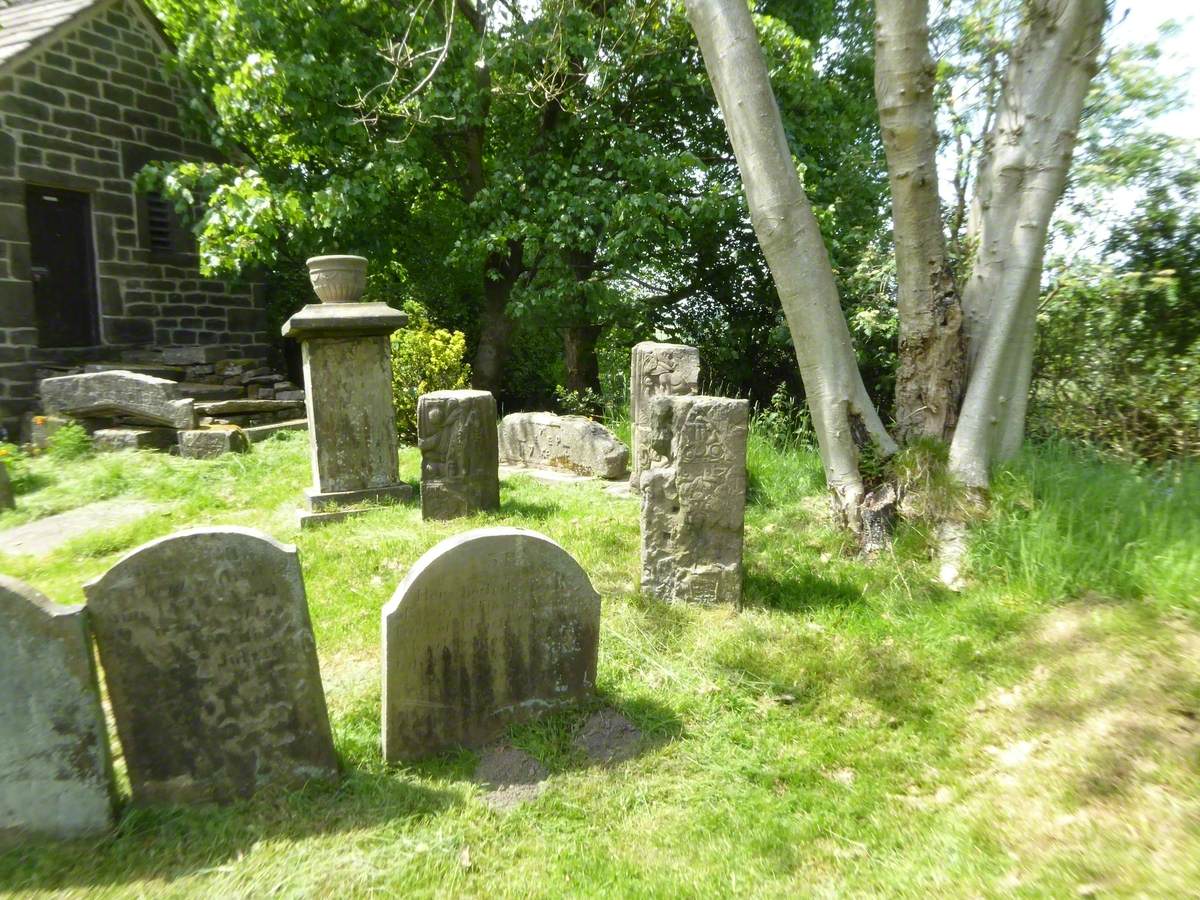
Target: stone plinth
55, 775
694, 502
460, 462
348, 388
656, 370
211, 667
490, 627
573, 443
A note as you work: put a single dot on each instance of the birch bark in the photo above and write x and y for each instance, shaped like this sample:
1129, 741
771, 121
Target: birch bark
929, 382
843, 416
1021, 177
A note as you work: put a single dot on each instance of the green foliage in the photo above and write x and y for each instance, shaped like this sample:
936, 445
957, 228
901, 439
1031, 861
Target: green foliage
785, 422
71, 441
1108, 373
424, 358
577, 403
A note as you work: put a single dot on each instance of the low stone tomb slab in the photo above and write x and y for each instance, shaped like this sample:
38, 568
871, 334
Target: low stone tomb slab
55, 773
694, 501
138, 397
490, 627
460, 461
574, 443
211, 667
656, 370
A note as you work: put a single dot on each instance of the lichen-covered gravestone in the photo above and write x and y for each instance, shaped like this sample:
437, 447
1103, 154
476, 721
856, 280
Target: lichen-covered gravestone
656, 370
55, 776
460, 462
490, 627
574, 443
211, 667
694, 501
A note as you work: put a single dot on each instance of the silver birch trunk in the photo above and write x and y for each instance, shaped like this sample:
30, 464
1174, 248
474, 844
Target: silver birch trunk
844, 418
1021, 177
929, 382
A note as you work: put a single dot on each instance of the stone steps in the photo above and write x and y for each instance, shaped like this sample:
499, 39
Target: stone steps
258, 433
201, 392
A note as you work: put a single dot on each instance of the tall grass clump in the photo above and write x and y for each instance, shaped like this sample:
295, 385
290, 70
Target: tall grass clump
1066, 521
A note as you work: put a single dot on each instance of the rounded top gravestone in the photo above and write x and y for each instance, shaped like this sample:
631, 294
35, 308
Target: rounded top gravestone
211, 666
490, 627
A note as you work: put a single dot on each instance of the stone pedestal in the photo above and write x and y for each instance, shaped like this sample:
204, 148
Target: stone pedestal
694, 500
460, 460
656, 370
348, 385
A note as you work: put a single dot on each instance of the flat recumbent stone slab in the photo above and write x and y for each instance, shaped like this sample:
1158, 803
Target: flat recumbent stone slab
145, 398
211, 667
55, 776
574, 443
490, 627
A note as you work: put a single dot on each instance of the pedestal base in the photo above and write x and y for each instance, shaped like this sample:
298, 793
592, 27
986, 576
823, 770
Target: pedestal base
331, 507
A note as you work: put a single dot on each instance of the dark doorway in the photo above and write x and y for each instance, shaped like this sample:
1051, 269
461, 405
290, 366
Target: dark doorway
63, 268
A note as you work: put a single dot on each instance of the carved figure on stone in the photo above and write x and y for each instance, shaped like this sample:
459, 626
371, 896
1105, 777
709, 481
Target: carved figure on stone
211, 667
456, 434
693, 501
656, 370
55, 773
490, 627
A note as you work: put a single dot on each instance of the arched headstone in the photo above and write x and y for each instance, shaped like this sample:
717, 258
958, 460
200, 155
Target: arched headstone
211, 667
490, 627
55, 776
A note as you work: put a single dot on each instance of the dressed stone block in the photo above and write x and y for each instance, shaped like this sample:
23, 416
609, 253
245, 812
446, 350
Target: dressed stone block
132, 395
460, 463
694, 501
656, 370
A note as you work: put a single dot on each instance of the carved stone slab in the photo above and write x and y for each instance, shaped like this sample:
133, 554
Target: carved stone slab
211, 667
693, 504
574, 443
656, 370
133, 395
490, 627
460, 465
55, 776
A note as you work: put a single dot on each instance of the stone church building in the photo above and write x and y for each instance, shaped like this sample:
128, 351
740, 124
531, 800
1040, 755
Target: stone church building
90, 270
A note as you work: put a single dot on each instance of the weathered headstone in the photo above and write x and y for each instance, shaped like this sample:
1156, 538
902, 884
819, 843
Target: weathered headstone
460, 465
574, 443
348, 386
656, 370
7, 501
211, 667
55, 774
131, 395
693, 503
490, 627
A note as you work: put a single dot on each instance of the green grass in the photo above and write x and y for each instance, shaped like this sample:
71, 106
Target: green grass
855, 729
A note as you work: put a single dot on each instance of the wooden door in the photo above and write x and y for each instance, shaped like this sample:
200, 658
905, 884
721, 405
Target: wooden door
63, 266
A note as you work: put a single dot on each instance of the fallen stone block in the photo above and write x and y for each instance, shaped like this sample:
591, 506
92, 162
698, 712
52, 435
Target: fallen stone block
213, 441
573, 443
109, 439
144, 398
227, 407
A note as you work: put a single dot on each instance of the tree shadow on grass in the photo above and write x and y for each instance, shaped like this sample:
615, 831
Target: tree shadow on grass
803, 593
526, 509
166, 843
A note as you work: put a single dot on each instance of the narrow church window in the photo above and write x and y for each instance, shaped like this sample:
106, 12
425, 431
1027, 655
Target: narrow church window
159, 224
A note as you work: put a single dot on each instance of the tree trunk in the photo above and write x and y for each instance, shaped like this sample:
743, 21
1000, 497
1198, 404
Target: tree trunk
579, 354
929, 382
1021, 177
491, 354
844, 418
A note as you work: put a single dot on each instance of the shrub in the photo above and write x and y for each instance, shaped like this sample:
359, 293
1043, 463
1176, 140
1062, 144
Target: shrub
424, 359
785, 422
70, 441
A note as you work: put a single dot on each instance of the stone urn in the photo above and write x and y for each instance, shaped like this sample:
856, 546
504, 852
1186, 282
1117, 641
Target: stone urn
338, 279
